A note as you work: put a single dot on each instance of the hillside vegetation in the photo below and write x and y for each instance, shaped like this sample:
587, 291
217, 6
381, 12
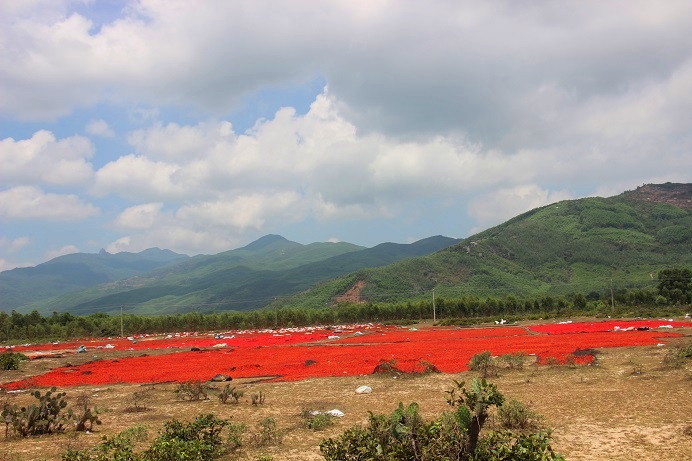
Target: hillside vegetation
240, 280
71, 272
581, 246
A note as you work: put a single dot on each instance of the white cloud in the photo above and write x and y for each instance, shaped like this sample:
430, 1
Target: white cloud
62, 251
44, 159
99, 128
14, 245
498, 206
25, 202
140, 217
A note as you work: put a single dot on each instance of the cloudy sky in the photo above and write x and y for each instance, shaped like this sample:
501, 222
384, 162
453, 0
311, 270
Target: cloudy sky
200, 126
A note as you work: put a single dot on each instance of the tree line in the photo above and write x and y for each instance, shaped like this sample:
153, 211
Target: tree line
674, 288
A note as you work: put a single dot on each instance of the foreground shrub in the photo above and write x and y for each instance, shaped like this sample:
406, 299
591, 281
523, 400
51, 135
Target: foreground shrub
11, 360
198, 440
456, 435
44, 417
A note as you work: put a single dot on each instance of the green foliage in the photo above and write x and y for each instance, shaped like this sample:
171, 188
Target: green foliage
45, 417
404, 435
120, 447
510, 446
676, 285
677, 356
267, 433
191, 391
484, 363
11, 360
201, 439
514, 361
516, 415
316, 420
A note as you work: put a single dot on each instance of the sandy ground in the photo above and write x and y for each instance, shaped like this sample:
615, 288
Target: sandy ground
627, 407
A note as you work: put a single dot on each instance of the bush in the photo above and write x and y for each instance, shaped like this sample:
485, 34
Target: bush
11, 360
516, 415
316, 420
267, 433
404, 436
483, 362
677, 356
191, 390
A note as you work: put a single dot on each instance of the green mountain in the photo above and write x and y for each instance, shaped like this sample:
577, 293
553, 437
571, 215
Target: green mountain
574, 246
71, 272
241, 279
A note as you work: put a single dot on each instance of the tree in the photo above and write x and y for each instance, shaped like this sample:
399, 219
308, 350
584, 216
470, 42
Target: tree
675, 285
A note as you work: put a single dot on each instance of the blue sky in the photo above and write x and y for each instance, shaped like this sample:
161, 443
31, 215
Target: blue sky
201, 126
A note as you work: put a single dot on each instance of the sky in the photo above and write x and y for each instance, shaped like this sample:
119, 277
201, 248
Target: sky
200, 126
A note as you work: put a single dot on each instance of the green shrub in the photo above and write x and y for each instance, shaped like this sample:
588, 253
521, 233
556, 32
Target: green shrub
191, 390
405, 436
316, 420
11, 360
267, 434
516, 415
483, 362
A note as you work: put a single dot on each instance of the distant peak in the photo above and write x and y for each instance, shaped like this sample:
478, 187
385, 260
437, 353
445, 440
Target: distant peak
264, 241
103, 252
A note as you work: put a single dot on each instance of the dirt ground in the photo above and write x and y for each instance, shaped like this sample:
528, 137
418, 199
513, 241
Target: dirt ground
626, 407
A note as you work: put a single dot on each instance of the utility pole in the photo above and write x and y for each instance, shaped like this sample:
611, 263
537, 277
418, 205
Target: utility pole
276, 313
434, 312
612, 297
121, 322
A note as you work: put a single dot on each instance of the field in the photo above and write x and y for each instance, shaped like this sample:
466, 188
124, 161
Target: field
601, 385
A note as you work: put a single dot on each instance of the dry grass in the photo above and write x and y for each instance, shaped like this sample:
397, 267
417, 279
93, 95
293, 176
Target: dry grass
605, 412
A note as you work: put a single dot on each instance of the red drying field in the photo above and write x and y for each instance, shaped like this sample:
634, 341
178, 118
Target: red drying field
297, 355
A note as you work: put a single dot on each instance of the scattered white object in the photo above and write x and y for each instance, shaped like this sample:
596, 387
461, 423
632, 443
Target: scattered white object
660, 345
219, 345
109, 346
665, 326
336, 413
364, 390
616, 328
565, 322
688, 316
333, 337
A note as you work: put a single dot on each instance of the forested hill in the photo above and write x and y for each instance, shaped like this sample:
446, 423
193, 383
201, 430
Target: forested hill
240, 279
573, 246
76, 271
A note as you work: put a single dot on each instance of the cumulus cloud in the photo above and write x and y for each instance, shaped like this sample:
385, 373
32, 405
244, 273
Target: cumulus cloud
45, 159
140, 216
62, 251
99, 128
14, 245
480, 108
26, 202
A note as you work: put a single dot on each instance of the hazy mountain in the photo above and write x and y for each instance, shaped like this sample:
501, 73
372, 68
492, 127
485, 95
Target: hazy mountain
75, 271
239, 279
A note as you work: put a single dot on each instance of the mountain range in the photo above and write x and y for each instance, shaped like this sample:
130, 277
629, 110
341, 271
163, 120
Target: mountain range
240, 279
590, 246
